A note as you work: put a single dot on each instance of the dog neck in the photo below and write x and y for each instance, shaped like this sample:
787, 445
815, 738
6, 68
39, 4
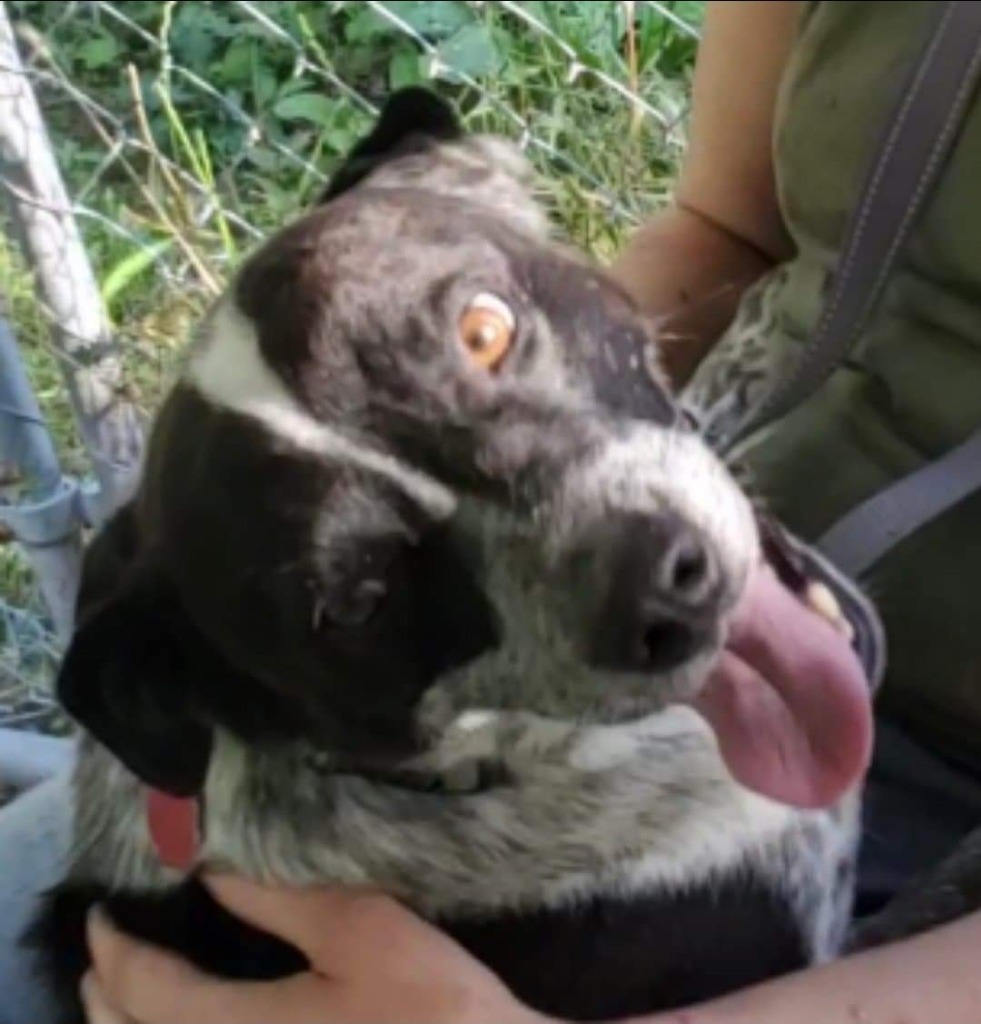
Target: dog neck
583, 809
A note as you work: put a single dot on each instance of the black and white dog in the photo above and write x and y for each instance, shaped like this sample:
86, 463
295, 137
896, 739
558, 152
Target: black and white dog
427, 585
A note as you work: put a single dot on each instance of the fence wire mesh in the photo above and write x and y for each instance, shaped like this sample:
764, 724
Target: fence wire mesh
186, 130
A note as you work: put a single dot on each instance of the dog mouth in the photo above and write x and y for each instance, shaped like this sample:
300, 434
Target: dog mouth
789, 698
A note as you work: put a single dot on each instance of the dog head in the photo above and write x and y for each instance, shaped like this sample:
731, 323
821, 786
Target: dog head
416, 464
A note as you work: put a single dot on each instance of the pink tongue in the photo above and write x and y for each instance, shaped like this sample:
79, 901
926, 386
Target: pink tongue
788, 701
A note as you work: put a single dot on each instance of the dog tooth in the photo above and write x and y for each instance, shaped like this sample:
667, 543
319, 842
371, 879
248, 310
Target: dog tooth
820, 599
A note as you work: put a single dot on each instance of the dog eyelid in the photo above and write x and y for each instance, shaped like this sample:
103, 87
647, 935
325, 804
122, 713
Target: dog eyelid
493, 304
486, 330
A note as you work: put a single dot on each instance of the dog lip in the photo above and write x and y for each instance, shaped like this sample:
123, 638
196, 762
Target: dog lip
799, 567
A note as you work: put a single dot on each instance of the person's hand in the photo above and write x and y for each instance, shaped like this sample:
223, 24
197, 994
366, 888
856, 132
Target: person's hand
372, 961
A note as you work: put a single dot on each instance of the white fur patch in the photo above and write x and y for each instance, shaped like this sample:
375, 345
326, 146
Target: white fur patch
652, 469
227, 369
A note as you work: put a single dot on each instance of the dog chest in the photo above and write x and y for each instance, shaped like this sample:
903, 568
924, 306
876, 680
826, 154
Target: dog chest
608, 958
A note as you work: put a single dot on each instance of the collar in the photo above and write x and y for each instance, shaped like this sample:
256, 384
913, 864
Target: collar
174, 823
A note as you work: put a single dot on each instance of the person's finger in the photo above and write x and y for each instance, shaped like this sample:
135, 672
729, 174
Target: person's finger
153, 987
338, 929
95, 1004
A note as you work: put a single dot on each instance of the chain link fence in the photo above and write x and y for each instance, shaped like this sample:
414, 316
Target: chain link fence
170, 136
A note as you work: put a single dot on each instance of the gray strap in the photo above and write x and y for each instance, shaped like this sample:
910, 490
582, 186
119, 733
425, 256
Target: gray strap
919, 136
857, 541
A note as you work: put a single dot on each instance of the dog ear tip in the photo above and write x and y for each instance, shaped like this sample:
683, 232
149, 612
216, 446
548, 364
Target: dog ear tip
413, 111
419, 108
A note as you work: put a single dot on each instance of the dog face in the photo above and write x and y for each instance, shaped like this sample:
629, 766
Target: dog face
416, 464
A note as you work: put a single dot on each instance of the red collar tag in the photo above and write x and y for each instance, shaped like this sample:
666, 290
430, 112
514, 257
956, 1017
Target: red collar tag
174, 828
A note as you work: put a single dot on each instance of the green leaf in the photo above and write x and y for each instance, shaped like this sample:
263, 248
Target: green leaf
264, 85
471, 51
196, 33
265, 160
341, 138
235, 68
366, 26
98, 52
436, 19
691, 11
129, 268
306, 106
405, 69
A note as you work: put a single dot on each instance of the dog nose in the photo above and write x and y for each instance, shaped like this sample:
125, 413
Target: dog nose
664, 597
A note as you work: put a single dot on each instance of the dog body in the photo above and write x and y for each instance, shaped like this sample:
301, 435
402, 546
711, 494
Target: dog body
388, 612
621, 872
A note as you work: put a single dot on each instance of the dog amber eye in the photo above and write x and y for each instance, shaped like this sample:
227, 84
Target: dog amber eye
486, 331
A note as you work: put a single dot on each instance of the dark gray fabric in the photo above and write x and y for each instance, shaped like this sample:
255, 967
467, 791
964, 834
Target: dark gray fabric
918, 809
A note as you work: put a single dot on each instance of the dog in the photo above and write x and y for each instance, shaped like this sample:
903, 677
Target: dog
428, 584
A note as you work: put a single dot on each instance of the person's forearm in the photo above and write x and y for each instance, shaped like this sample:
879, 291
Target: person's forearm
932, 979
689, 266
688, 275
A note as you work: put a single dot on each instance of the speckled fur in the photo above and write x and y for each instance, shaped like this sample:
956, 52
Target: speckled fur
616, 810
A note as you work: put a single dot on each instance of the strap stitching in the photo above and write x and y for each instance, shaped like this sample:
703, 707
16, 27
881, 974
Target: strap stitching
789, 385
862, 221
950, 126
882, 166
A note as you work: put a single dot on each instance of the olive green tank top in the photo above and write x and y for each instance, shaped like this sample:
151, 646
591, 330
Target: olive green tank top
911, 388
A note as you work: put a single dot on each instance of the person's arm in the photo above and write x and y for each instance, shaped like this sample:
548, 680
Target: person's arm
373, 961
691, 262
929, 979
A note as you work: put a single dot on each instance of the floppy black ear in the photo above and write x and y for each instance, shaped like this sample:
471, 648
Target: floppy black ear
411, 119
127, 674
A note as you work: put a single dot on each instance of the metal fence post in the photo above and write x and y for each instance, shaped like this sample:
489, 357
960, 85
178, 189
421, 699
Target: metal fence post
45, 514
42, 217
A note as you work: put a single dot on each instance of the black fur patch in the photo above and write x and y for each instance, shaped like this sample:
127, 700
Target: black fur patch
411, 118
605, 959
231, 605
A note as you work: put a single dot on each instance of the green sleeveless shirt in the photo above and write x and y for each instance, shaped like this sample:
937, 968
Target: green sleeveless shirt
912, 386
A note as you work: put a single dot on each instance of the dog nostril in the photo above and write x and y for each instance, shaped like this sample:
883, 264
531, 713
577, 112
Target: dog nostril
690, 569
668, 643
687, 571
662, 604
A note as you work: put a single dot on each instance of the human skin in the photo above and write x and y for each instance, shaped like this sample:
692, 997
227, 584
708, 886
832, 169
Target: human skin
689, 265
373, 961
